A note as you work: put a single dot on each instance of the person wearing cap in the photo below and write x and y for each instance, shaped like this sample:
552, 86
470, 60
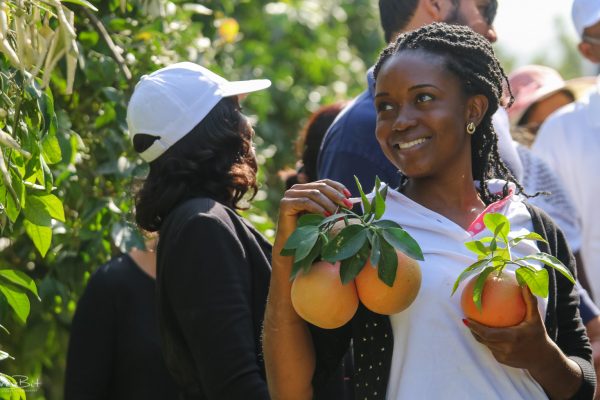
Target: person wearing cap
213, 267
539, 91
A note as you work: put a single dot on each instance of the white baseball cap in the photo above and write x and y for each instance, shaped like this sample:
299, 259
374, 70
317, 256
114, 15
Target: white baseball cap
585, 13
170, 102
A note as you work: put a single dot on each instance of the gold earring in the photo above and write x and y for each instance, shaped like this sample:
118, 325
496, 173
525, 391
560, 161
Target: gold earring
470, 128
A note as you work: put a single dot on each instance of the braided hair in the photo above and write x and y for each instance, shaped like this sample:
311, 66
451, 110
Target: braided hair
471, 58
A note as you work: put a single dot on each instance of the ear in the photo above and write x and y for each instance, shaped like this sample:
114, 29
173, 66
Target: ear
586, 50
477, 106
437, 9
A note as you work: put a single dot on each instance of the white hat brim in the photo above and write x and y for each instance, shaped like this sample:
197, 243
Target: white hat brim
235, 88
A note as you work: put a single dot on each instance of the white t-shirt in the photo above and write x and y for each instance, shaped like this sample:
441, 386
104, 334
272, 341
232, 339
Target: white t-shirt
435, 356
569, 141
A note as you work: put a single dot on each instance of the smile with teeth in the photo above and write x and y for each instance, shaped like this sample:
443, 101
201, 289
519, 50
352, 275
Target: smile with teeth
412, 143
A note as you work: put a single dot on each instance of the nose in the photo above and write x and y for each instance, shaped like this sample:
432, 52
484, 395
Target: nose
403, 122
491, 34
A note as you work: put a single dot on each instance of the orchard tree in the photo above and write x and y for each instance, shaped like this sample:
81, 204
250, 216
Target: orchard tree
67, 167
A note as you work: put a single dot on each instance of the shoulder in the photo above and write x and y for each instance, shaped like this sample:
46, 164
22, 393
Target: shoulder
194, 214
112, 274
352, 119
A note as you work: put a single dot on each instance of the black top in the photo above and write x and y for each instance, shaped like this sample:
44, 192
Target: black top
213, 275
562, 322
114, 350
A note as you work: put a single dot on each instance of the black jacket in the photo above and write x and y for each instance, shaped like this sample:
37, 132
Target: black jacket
213, 274
562, 321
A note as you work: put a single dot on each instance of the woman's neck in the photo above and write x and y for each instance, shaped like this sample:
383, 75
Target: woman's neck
146, 259
455, 199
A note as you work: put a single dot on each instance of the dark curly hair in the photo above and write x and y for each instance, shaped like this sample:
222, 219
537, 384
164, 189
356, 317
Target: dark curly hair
215, 159
471, 58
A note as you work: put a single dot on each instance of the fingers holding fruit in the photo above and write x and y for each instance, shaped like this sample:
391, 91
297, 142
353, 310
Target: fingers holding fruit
320, 197
518, 346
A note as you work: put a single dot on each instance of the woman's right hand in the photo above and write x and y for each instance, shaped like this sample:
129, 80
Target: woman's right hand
288, 349
319, 197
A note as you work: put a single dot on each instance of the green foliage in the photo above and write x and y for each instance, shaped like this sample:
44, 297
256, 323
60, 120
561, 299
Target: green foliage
494, 254
69, 207
370, 238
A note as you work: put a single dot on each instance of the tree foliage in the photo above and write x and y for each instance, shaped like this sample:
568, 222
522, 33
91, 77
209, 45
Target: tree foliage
67, 202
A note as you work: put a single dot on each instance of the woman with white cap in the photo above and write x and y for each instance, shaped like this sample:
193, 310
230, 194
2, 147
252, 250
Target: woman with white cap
213, 267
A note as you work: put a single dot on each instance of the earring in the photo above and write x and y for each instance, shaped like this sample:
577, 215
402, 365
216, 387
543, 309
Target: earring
470, 128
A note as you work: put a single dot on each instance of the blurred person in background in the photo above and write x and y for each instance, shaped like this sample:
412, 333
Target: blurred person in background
308, 144
539, 91
114, 347
569, 141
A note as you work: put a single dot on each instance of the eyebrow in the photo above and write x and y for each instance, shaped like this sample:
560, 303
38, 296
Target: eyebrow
415, 87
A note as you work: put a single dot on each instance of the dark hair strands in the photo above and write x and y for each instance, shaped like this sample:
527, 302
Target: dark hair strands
471, 58
215, 159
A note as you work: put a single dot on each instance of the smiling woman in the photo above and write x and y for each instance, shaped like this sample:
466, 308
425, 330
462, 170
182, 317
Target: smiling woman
436, 90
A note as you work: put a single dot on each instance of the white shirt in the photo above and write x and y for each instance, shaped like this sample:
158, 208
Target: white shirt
569, 141
435, 356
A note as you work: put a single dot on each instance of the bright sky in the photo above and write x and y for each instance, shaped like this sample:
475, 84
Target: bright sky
526, 27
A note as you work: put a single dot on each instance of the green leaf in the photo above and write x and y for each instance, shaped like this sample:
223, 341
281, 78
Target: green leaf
493, 244
351, 266
536, 279
4, 355
552, 262
51, 149
305, 246
310, 219
529, 236
386, 223
375, 249
479, 284
305, 263
37, 212
287, 252
498, 224
40, 235
388, 264
19, 278
477, 247
299, 235
379, 201
333, 218
83, 3
53, 205
18, 301
346, 244
468, 271
9, 389
401, 240
365, 200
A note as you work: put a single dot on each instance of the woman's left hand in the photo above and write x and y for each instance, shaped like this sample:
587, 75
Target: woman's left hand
522, 346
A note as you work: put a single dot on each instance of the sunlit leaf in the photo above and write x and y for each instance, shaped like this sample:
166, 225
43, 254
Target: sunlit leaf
18, 301
347, 243
536, 279
19, 278
552, 262
401, 240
